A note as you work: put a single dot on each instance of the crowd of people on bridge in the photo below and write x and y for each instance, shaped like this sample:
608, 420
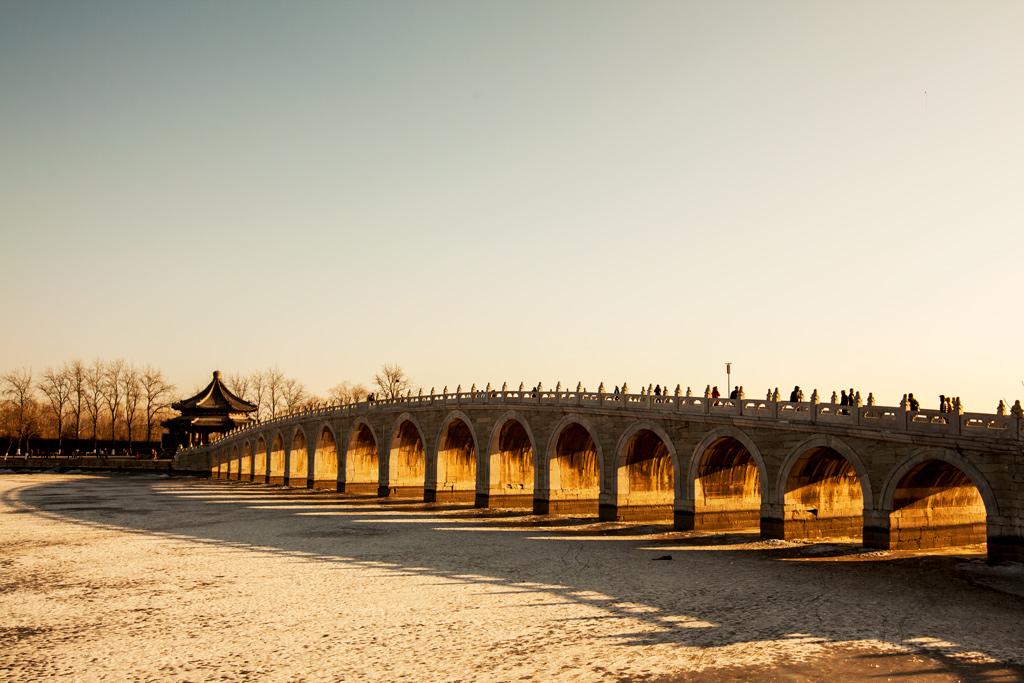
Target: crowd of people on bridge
847, 398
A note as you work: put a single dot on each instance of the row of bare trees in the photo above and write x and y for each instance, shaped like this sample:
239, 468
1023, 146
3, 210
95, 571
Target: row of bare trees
84, 401
270, 391
122, 401
275, 394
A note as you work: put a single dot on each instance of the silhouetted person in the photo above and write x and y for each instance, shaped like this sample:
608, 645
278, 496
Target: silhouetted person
843, 400
735, 393
796, 395
715, 393
913, 403
657, 390
942, 403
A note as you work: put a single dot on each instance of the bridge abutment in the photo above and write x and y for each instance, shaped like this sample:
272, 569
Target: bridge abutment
359, 489
581, 506
517, 499
1005, 548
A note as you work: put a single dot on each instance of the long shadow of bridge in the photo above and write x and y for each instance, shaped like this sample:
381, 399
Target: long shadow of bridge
714, 592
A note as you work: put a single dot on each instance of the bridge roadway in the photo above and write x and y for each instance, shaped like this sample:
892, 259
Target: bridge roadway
896, 478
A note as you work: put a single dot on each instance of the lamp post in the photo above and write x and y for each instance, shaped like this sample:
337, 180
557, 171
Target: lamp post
728, 379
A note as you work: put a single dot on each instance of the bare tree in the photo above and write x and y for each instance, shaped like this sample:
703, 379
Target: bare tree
156, 393
20, 392
94, 386
238, 384
75, 371
273, 384
312, 402
131, 389
293, 394
56, 386
392, 380
113, 392
258, 391
345, 392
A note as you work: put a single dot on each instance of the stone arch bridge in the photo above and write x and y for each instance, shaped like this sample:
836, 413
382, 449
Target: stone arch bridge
894, 477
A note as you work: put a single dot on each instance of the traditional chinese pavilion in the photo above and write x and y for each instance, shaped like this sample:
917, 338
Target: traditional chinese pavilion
212, 411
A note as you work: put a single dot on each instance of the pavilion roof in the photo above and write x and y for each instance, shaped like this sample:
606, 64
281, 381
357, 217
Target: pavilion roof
215, 398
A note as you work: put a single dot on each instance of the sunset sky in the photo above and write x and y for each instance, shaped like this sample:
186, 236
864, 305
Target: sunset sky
822, 193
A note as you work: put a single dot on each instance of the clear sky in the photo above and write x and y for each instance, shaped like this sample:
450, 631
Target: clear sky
823, 193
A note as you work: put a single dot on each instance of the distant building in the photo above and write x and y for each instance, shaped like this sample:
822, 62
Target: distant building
212, 411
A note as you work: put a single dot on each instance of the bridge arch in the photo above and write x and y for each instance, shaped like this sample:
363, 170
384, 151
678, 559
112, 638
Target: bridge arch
362, 465
325, 459
646, 479
571, 469
727, 481
278, 461
245, 466
407, 462
823, 490
935, 498
452, 471
259, 469
511, 470
298, 458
